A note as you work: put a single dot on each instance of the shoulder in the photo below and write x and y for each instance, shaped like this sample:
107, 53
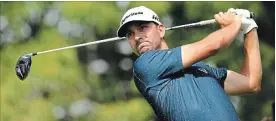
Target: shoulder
146, 60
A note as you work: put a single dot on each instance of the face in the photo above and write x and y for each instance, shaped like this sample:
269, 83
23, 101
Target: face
145, 36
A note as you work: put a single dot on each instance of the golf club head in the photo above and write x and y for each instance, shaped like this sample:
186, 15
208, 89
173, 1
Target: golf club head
23, 66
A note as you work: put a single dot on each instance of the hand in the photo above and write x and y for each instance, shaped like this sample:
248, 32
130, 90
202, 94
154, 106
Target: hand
225, 19
247, 22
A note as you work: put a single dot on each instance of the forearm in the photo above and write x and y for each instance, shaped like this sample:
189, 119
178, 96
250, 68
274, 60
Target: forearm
252, 67
223, 37
229, 33
210, 45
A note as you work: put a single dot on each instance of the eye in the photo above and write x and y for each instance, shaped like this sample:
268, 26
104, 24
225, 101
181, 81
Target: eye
142, 27
128, 34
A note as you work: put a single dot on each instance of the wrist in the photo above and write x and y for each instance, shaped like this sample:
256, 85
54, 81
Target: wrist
252, 32
238, 24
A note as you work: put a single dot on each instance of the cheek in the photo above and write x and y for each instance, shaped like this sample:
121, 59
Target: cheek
155, 38
132, 44
151, 37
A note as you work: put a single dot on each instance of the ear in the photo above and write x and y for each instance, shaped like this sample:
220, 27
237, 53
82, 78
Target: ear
161, 29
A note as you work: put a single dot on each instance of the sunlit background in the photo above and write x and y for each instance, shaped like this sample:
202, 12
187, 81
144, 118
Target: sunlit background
94, 83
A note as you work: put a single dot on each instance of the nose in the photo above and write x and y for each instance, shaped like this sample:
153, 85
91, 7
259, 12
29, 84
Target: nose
138, 35
137, 38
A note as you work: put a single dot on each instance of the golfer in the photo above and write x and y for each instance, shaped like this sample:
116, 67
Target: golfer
174, 81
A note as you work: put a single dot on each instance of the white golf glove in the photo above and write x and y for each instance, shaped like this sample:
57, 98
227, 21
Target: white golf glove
247, 22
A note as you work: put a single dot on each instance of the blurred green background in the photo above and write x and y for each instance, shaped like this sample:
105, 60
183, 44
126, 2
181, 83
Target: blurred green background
94, 83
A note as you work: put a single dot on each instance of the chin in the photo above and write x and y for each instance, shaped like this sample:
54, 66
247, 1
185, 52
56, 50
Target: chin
145, 51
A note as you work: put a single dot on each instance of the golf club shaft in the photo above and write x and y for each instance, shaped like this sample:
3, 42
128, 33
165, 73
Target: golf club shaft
201, 23
80, 45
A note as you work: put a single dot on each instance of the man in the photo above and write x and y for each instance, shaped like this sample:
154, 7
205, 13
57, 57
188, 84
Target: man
175, 82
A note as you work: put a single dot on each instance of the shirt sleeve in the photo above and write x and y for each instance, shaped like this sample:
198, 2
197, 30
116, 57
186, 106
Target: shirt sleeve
158, 64
219, 73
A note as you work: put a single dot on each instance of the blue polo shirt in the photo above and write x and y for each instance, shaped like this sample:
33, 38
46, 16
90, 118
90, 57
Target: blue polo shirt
192, 94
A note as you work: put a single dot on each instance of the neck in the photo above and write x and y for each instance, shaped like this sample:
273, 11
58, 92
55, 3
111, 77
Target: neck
164, 45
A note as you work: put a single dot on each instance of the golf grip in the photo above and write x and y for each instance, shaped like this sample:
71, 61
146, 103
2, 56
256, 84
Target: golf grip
201, 23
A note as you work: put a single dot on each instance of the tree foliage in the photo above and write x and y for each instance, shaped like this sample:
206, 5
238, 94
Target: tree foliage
95, 82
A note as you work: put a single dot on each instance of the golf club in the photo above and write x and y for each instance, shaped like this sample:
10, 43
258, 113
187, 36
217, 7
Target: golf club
24, 62
201, 23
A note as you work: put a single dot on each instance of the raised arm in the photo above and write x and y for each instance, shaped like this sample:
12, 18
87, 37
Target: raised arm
210, 45
248, 80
